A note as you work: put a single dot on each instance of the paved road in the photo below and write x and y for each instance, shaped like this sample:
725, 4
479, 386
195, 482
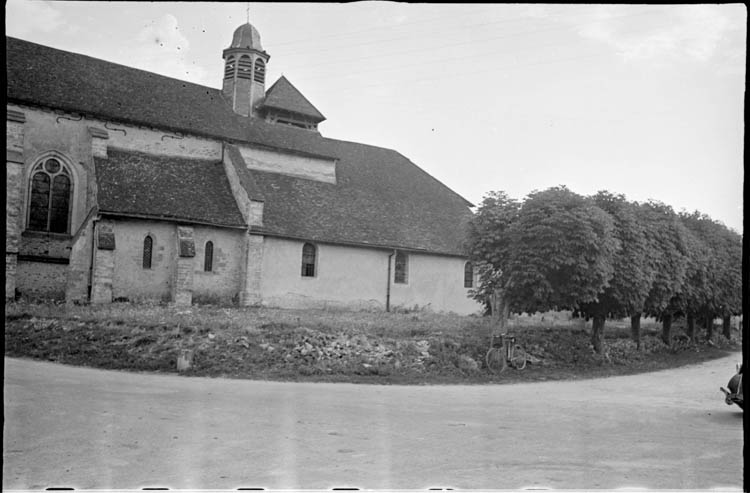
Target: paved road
93, 429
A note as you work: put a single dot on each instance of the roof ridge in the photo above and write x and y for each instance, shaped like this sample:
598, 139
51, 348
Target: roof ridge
128, 67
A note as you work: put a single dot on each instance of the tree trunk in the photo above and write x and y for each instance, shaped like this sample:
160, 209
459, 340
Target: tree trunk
597, 333
691, 326
726, 327
500, 309
666, 328
709, 321
635, 329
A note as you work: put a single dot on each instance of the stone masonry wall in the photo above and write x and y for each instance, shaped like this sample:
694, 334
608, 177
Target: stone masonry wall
251, 294
224, 282
79, 269
104, 262
41, 279
13, 193
132, 280
182, 288
11, 269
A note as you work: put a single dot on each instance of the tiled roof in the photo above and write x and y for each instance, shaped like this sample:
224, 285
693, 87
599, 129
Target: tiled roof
69, 81
381, 198
163, 187
283, 95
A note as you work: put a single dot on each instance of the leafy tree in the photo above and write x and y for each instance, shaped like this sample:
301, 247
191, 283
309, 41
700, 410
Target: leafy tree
562, 251
696, 298
490, 247
667, 261
629, 286
715, 289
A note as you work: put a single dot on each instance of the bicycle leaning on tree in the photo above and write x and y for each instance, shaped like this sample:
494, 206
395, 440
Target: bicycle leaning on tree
504, 353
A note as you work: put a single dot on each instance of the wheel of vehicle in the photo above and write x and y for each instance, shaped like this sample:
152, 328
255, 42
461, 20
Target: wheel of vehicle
495, 360
519, 359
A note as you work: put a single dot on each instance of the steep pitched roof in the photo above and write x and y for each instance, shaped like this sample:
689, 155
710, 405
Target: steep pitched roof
381, 198
284, 96
162, 187
45, 76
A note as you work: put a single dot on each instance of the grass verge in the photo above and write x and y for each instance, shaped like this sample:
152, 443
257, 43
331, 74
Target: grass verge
320, 345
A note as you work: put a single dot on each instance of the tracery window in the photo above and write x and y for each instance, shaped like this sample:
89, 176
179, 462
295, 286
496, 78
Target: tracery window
245, 67
260, 71
50, 197
208, 260
401, 269
148, 248
468, 275
308, 260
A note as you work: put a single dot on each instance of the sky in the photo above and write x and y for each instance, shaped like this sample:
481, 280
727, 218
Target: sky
642, 100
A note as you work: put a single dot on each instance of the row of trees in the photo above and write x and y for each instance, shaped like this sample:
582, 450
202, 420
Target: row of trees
604, 257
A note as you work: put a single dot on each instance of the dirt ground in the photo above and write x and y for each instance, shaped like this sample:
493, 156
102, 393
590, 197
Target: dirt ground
96, 429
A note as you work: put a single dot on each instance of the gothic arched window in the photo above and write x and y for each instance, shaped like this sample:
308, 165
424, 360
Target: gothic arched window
308, 260
245, 67
208, 257
50, 197
260, 71
148, 250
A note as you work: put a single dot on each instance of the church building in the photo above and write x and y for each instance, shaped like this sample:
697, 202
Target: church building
122, 184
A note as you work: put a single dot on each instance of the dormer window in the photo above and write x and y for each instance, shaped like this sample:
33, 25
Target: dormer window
260, 71
244, 67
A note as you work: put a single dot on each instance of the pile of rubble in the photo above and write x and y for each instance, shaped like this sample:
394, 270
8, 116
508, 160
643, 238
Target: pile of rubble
311, 347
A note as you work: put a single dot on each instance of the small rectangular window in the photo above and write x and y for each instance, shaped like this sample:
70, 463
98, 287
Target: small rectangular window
401, 268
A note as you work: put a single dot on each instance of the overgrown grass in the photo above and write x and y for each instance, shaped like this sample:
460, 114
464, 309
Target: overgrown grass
326, 345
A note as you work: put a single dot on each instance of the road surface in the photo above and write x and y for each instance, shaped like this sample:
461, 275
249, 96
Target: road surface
95, 429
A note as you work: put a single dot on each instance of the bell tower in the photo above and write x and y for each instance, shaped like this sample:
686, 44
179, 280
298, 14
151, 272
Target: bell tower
245, 70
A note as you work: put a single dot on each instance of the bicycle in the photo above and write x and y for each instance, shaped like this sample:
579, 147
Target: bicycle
506, 353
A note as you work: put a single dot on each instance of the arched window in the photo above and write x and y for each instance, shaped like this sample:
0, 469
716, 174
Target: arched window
260, 71
229, 68
50, 197
148, 248
401, 269
245, 67
208, 258
468, 275
308, 260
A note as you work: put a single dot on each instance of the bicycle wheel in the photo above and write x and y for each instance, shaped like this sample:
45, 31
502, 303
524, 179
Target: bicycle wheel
495, 360
519, 359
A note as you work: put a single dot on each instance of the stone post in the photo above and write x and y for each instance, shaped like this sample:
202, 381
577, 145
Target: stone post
182, 287
13, 196
104, 262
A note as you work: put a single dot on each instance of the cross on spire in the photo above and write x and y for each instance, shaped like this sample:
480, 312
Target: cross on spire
248, 12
